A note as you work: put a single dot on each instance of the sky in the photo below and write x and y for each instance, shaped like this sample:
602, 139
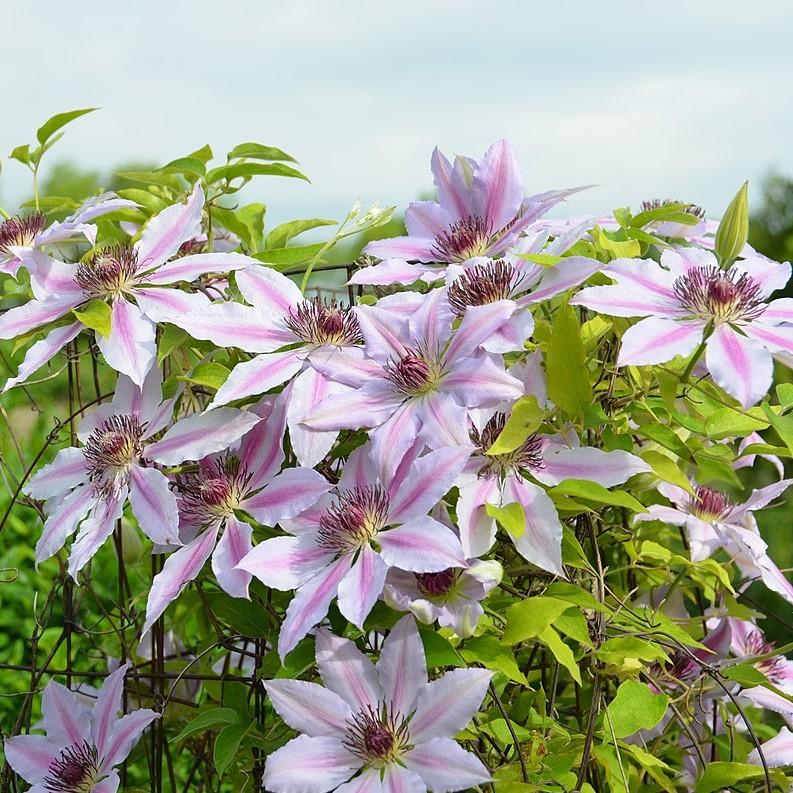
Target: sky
679, 100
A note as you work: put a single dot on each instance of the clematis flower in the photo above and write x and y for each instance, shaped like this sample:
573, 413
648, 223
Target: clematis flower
82, 745
687, 299
501, 479
712, 521
133, 281
245, 479
21, 236
89, 486
420, 377
383, 727
345, 544
279, 316
481, 211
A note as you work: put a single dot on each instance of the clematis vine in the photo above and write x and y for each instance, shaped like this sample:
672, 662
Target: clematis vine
712, 520
279, 317
82, 745
135, 284
243, 479
345, 543
688, 300
383, 727
481, 211
88, 487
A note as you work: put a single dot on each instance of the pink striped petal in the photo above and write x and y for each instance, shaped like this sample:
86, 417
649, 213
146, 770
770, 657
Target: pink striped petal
512, 335
770, 275
398, 779
154, 505
478, 324
65, 720
130, 348
431, 322
422, 545
201, 434
656, 340
179, 569
477, 528
646, 277
309, 708
498, 185
453, 192
622, 301
367, 782
568, 273
306, 392
345, 365
160, 304
776, 339
286, 562
390, 271
63, 520
383, 332
96, 528
235, 325
188, 268
18, 321
426, 219
392, 439
310, 604
407, 248
594, 465
108, 704
66, 471
291, 492
126, 733
346, 671
258, 375
779, 310
309, 765
365, 407
96, 206
479, 381
362, 586
443, 764
444, 421
51, 278
30, 756
140, 402
777, 751
741, 366
261, 448
271, 292
165, 233
402, 666
234, 544
109, 784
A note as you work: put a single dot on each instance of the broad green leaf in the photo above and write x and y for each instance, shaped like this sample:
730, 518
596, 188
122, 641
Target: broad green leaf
572, 623
666, 469
666, 437
438, 650
669, 213
784, 393
591, 491
21, 154
492, 654
782, 424
572, 553
746, 674
205, 154
728, 423
529, 618
511, 517
288, 257
720, 775
190, 166
256, 151
227, 744
161, 178
635, 707
206, 720
247, 170
52, 125
298, 660
244, 616
281, 235
617, 249
567, 373
543, 259
210, 374
171, 338
95, 315
525, 418
621, 648
575, 595
562, 653
150, 202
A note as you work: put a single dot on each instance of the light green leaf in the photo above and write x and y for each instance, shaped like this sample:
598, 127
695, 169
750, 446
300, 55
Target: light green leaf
189, 166
635, 708
591, 491
666, 469
438, 649
511, 517
95, 315
210, 374
525, 418
492, 654
227, 744
288, 257
256, 151
280, 236
719, 776
247, 170
728, 423
562, 653
206, 720
529, 618
567, 373
52, 125
617, 249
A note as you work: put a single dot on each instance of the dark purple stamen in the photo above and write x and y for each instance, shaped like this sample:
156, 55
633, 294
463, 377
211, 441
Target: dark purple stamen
21, 231
75, 771
485, 283
377, 736
353, 519
410, 373
656, 203
436, 585
464, 239
109, 273
320, 321
719, 295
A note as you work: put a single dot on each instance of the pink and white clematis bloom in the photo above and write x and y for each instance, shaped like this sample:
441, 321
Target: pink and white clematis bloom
20, 236
135, 282
501, 479
82, 745
247, 479
686, 299
712, 521
481, 211
89, 486
279, 316
345, 544
376, 728
420, 378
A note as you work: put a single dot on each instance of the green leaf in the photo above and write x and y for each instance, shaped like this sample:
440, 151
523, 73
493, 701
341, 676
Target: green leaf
591, 491
666, 469
562, 653
721, 775
784, 393
746, 674
206, 721
617, 249
189, 166
21, 154
247, 170
729, 423
492, 654
244, 616
227, 744
567, 372
666, 437
529, 618
95, 315
255, 151
161, 178
635, 708
668, 213
280, 236
511, 517
52, 125
210, 374
171, 338
288, 257
734, 227
525, 418
621, 648
782, 424
438, 650
573, 624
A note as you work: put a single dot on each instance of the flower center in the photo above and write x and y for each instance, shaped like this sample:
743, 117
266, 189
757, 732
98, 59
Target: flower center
709, 504
438, 585
528, 455
463, 240
377, 737
485, 283
773, 668
109, 273
719, 295
215, 491
414, 373
21, 231
320, 321
110, 451
353, 519
75, 771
